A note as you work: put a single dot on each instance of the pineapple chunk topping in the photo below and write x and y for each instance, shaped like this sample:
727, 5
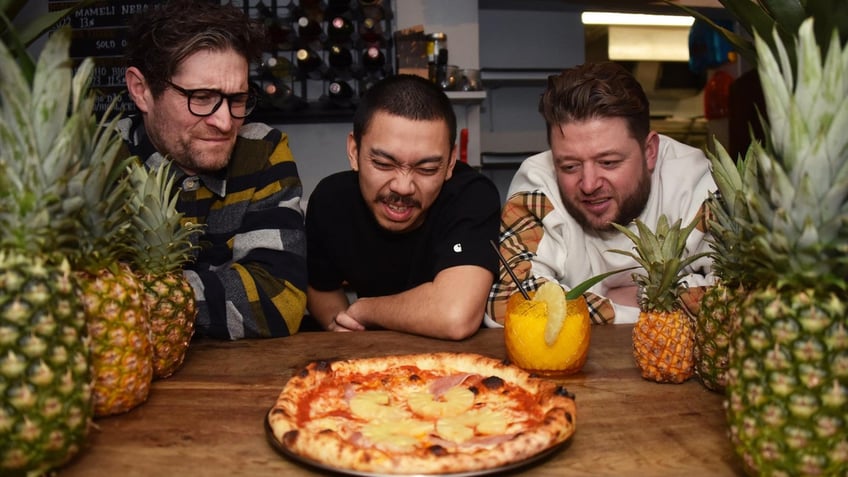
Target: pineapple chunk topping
453, 402
375, 405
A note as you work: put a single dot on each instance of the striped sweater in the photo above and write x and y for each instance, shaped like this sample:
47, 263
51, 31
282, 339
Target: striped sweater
249, 275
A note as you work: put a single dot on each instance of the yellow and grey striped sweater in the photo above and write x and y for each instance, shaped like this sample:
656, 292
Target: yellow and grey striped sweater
249, 275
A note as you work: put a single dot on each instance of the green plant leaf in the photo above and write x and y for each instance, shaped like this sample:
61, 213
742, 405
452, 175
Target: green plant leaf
589, 283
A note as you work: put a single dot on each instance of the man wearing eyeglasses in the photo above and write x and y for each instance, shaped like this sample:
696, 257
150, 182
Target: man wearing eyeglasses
187, 73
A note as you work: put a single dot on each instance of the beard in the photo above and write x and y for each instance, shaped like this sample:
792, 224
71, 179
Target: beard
202, 162
629, 208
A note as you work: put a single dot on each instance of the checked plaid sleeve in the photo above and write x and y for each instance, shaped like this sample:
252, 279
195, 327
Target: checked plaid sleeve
521, 232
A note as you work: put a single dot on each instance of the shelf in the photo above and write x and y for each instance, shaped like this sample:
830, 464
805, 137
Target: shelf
497, 77
522, 143
466, 97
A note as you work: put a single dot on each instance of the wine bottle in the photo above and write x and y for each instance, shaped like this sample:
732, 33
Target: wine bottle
340, 93
278, 32
278, 67
278, 94
336, 8
373, 59
371, 32
339, 29
309, 30
310, 63
312, 9
372, 9
340, 58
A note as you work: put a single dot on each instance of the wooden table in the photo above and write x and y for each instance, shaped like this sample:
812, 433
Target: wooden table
208, 418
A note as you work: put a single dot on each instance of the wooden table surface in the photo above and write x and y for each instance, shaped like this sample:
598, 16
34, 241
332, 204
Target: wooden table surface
208, 419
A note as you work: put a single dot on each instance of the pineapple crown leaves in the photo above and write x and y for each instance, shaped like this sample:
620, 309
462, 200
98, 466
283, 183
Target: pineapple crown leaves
728, 213
161, 242
660, 253
102, 189
798, 197
40, 143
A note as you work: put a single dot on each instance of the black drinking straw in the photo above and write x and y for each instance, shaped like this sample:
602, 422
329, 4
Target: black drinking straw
509, 270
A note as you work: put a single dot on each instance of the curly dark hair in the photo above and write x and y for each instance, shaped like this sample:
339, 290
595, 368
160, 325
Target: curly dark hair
596, 90
162, 36
407, 96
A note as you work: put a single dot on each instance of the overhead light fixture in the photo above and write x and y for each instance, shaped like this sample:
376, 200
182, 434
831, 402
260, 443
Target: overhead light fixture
611, 18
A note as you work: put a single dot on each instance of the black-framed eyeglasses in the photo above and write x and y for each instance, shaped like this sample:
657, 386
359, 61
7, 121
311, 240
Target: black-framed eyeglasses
204, 102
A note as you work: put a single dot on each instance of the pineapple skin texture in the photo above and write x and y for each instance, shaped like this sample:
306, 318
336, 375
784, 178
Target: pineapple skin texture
45, 385
787, 389
664, 346
121, 348
172, 306
713, 328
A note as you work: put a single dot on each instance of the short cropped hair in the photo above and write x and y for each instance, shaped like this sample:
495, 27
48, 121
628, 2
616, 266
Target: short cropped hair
162, 36
596, 90
407, 96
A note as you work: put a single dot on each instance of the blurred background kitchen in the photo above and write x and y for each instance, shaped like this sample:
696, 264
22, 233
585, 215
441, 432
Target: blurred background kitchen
324, 53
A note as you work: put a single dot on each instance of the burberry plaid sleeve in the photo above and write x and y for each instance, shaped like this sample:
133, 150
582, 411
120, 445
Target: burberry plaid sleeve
251, 279
521, 232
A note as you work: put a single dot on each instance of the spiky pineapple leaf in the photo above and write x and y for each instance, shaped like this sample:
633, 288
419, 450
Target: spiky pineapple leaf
161, 242
660, 252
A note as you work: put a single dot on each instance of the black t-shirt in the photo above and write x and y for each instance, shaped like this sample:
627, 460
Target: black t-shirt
345, 244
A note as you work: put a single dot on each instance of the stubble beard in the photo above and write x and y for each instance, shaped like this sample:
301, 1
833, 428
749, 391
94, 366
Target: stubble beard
630, 208
202, 162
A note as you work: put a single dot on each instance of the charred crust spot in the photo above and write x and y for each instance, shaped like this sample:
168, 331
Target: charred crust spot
493, 382
415, 378
437, 450
290, 437
303, 373
506, 362
474, 390
568, 417
322, 366
561, 391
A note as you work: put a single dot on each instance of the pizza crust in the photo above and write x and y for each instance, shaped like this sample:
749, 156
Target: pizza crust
312, 416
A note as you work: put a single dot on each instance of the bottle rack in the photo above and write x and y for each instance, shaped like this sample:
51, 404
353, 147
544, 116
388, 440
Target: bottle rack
320, 57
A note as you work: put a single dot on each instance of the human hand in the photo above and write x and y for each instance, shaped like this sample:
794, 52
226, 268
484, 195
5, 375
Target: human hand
344, 322
691, 300
627, 296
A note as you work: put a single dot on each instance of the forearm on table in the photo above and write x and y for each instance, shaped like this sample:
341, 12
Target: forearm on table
251, 299
450, 307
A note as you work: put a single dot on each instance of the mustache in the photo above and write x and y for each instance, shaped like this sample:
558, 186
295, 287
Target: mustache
397, 199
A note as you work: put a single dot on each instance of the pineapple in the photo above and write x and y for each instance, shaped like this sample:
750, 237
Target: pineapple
162, 246
121, 346
45, 389
663, 338
719, 306
112, 296
787, 381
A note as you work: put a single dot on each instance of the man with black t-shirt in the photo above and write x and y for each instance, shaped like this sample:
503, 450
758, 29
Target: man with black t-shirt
408, 228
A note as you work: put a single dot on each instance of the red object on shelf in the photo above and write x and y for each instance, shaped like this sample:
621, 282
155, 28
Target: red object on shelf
463, 145
717, 95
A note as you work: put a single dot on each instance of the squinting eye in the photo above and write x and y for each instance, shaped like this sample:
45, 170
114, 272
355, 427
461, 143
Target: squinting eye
239, 100
204, 97
428, 171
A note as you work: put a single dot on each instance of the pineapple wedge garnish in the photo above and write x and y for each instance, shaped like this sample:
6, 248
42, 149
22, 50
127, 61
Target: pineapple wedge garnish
553, 296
